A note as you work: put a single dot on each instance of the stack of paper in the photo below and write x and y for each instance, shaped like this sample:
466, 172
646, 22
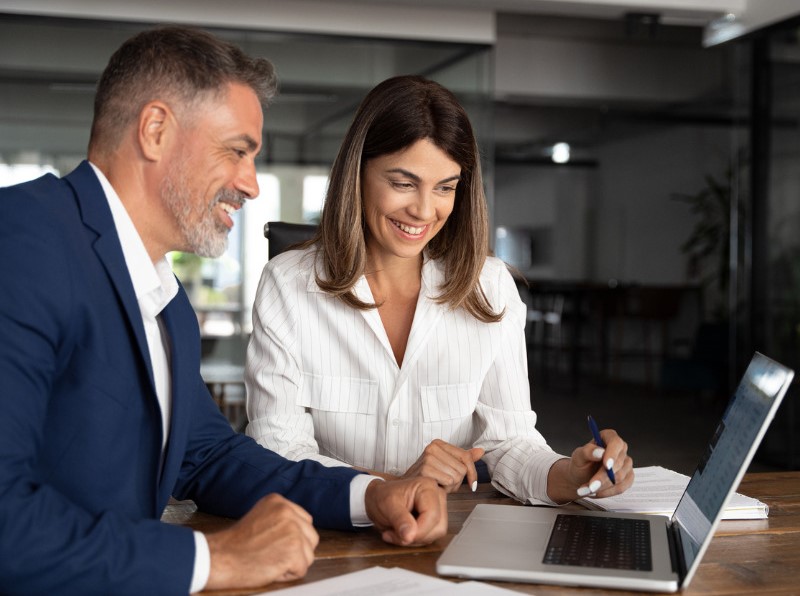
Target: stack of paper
657, 490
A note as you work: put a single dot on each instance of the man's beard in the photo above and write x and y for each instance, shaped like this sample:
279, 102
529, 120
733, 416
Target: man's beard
203, 233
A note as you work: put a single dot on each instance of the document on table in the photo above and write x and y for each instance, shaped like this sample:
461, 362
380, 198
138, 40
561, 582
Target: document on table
657, 490
393, 582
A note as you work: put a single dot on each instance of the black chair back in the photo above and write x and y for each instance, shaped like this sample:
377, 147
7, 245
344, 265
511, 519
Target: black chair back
282, 235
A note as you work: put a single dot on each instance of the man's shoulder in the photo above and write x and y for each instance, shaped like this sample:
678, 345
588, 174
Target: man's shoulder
41, 187
43, 209
49, 193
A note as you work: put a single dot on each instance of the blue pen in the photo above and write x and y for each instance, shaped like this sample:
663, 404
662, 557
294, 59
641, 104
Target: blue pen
600, 443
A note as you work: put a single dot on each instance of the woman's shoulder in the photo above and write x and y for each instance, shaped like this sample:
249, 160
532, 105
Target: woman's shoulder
296, 263
494, 270
499, 282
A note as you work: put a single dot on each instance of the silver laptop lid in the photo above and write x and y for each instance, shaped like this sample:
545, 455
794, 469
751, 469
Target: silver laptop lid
727, 457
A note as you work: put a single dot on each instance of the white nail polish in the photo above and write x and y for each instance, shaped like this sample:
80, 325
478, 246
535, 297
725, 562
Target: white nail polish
609, 463
474, 485
598, 453
583, 491
594, 486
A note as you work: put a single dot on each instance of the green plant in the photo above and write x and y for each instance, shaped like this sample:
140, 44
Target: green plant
186, 266
708, 246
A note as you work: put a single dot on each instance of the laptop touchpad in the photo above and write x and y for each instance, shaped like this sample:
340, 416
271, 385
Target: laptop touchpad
519, 543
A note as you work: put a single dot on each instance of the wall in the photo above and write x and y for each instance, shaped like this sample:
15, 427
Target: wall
554, 198
600, 70
639, 226
617, 221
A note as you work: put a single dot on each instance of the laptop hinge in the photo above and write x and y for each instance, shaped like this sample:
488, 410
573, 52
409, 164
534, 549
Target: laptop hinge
676, 550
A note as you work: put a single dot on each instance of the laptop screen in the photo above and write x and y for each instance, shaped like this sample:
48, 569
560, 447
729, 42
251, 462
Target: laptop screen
728, 454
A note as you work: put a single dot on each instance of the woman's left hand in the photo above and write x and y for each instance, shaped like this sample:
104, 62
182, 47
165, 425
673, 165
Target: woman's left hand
447, 464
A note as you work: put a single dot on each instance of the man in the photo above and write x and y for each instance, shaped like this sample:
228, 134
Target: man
104, 412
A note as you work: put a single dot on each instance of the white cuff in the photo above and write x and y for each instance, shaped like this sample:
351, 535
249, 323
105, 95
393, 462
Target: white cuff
358, 504
358, 517
202, 563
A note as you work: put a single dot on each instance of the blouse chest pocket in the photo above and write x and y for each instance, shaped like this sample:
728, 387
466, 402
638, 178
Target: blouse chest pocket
343, 411
338, 394
447, 413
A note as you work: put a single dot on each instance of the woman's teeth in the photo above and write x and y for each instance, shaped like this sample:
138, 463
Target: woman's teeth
408, 229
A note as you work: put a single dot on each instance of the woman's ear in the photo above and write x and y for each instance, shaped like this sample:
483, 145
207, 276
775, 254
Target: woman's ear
155, 127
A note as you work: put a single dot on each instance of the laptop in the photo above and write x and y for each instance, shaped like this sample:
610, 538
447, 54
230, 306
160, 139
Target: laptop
566, 546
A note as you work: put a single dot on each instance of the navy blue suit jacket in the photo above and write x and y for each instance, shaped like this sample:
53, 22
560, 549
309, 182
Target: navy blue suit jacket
81, 484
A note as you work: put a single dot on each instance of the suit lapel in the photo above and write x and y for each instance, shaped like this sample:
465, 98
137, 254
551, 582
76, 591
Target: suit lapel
96, 215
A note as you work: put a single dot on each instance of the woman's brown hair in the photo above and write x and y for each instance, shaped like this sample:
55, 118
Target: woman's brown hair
393, 116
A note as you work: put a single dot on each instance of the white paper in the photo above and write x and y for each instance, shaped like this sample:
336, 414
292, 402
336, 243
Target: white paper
657, 490
392, 582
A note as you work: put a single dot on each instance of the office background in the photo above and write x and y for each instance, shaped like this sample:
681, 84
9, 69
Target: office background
642, 165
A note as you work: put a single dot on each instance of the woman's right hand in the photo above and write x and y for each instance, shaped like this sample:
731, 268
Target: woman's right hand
447, 465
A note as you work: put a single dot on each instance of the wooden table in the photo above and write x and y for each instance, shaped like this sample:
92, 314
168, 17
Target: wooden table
746, 556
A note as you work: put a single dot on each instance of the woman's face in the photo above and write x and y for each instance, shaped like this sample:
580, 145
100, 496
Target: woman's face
408, 197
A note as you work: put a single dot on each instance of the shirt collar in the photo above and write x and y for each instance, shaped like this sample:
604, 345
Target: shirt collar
154, 284
433, 278
432, 275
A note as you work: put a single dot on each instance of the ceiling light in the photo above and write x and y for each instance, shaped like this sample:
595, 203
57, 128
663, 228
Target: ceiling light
560, 153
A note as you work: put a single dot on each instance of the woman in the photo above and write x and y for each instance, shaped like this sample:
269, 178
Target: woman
393, 342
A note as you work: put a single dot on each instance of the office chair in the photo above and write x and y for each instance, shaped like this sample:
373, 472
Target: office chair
282, 235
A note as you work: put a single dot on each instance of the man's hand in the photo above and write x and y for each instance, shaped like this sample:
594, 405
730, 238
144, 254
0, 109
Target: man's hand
408, 511
447, 465
275, 541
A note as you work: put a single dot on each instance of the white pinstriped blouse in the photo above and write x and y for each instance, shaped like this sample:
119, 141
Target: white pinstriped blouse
323, 383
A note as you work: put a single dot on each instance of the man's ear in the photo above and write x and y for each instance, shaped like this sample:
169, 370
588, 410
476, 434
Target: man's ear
156, 126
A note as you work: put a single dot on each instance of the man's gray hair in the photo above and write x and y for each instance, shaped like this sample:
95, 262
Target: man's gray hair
178, 65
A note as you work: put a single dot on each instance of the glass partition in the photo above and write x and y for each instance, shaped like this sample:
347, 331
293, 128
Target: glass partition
48, 69
770, 285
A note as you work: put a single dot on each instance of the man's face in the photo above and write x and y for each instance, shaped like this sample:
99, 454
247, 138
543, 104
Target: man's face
213, 172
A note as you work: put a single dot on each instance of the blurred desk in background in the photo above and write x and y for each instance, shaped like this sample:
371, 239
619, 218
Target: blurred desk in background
608, 322
225, 382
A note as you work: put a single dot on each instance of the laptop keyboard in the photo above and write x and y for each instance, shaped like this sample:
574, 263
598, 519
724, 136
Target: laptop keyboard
609, 542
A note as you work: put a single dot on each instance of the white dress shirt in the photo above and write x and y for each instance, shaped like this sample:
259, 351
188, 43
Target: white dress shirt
155, 285
323, 382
